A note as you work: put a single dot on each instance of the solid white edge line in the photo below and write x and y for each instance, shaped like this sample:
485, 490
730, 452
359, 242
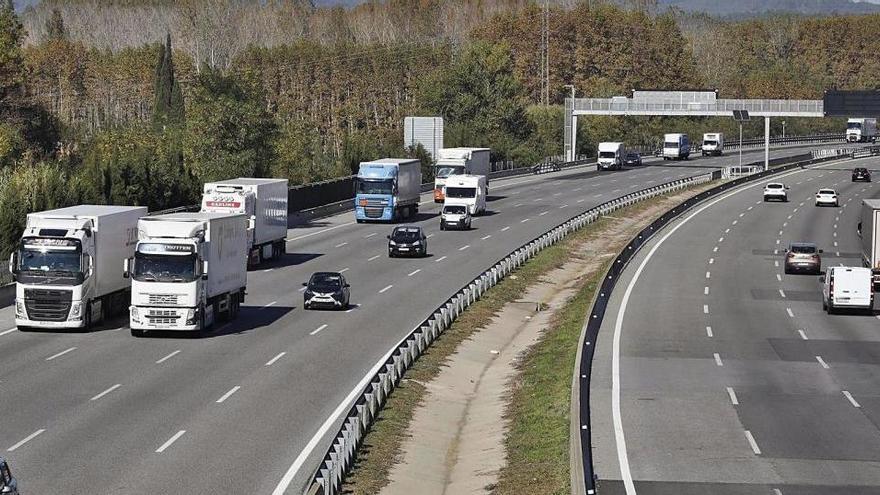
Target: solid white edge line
170, 441
752, 442
60, 353
315, 331
228, 394
851, 399
102, 394
4, 332
276, 358
26, 440
166, 358
732, 395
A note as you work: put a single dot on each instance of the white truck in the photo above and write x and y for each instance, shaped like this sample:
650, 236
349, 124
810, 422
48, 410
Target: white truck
467, 190
67, 265
861, 130
676, 146
847, 287
713, 143
459, 161
611, 156
188, 270
869, 231
264, 202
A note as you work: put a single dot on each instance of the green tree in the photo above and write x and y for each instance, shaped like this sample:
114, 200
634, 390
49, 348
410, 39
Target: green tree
167, 96
55, 26
11, 63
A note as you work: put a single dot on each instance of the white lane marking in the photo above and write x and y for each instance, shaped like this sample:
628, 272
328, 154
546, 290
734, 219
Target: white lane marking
414, 272
385, 289
822, 362
836, 219
742, 215
464, 247
563, 206
440, 259
102, 394
775, 251
517, 205
711, 260
780, 233
835, 225
782, 293
708, 274
577, 189
302, 289
726, 230
267, 270
374, 257
341, 244
524, 220
705, 309
834, 234
790, 313
429, 236
557, 194
789, 217
734, 222
26, 440
732, 395
776, 264
750, 207
715, 249
315, 331
485, 237
4, 332
777, 242
505, 229
543, 213
170, 441
850, 398
60, 353
706, 290
709, 332
795, 210
581, 201
752, 442
273, 303
166, 358
720, 240
276, 358
779, 277
803, 334
320, 231
718, 359
835, 243
228, 394
344, 270
369, 235
784, 224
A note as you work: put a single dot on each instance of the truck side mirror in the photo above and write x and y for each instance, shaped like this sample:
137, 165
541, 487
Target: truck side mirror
126, 268
87, 265
13, 260
205, 270
821, 251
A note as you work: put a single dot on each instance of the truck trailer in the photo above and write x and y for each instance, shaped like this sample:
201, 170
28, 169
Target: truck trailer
869, 223
264, 202
861, 130
388, 189
188, 270
68, 263
459, 161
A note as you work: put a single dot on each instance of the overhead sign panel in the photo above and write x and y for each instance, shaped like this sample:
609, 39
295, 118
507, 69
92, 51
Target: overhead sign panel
741, 115
852, 103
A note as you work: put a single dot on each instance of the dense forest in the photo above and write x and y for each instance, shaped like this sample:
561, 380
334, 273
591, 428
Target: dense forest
140, 101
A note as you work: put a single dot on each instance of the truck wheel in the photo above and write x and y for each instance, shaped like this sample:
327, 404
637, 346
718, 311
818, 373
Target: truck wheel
87, 318
359, 220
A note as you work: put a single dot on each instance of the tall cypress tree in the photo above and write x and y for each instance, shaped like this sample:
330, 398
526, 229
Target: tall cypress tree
167, 97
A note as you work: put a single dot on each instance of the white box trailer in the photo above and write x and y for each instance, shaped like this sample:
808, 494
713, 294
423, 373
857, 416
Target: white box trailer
847, 287
459, 161
68, 266
263, 201
869, 231
188, 269
676, 146
713, 143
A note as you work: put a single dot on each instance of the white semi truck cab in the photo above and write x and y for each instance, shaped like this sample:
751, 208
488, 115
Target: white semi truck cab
67, 265
861, 130
188, 270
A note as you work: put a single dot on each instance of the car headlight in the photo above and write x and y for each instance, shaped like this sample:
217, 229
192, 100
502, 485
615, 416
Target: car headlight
392, 243
417, 243
20, 312
76, 310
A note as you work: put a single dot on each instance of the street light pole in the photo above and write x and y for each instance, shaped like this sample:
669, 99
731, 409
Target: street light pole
573, 137
783, 129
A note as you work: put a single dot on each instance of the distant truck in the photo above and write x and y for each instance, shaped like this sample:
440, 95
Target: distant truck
264, 202
68, 263
869, 231
847, 287
388, 189
459, 161
713, 143
861, 130
676, 147
189, 269
611, 156
467, 190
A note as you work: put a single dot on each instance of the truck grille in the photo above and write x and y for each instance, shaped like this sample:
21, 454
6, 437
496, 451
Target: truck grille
47, 304
163, 299
377, 202
162, 317
373, 212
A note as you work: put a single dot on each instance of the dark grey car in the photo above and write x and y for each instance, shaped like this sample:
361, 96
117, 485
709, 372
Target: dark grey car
632, 159
8, 485
407, 240
327, 290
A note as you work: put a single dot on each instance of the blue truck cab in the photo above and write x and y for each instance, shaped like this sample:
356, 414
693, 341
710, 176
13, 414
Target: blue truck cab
387, 189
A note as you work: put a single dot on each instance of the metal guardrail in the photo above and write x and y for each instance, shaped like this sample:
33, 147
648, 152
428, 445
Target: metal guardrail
386, 374
600, 304
864, 152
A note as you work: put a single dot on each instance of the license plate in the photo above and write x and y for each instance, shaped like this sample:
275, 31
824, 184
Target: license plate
403, 249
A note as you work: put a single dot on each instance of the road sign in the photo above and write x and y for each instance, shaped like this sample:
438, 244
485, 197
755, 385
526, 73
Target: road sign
851, 103
741, 115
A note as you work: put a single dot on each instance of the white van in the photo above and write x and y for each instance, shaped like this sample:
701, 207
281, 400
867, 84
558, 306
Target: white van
611, 156
676, 147
713, 143
847, 287
467, 190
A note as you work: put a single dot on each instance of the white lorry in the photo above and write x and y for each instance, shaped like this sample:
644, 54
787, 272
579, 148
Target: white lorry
847, 287
67, 265
676, 147
264, 202
467, 190
459, 161
869, 231
713, 143
611, 156
188, 270
861, 130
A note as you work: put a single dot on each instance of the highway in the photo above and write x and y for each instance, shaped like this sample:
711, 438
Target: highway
715, 372
103, 412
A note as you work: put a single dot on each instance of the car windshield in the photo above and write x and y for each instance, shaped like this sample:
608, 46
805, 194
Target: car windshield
447, 171
325, 281
774, 186
375, 186
710, 142
803, 249
164, 267
454, 210
461, 192
406, 235
826, 191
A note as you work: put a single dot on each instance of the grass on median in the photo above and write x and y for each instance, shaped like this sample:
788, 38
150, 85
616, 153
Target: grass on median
537, 442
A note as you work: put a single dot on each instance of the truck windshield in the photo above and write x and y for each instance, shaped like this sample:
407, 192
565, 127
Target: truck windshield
670, 144
461, 192
854, 125
710, 143
606, 154
446, 171
45, 259
164, 268
375, 186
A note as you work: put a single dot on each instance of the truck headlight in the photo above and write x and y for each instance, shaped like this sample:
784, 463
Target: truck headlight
135, 315
20, 312
191, 316
76, 310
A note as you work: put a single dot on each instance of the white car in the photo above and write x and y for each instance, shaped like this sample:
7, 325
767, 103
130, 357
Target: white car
827, 197
775, 191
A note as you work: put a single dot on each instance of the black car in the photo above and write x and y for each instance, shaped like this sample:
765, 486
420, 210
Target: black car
407, 240
861, 174
8, 485
326, 290
632, 158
